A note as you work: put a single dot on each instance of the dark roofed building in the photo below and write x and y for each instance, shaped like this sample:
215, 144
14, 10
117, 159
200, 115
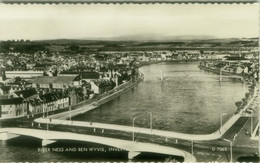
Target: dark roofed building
55, 79
27, 94
236, 58
48, 102
90, 75
4, 90
49, 97
117, 66
11, 101
35, 102
83, 75
12, 108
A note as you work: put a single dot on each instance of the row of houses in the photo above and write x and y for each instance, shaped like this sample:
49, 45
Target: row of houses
49, 93
238, 66
30, 102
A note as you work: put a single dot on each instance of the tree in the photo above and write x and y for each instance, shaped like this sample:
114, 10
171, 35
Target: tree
3, 76
238, 103
247, 95
80, 93
74, 48
244, 100
18, 79
55, 73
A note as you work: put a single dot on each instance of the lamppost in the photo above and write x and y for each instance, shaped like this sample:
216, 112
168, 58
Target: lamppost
43, 110
220, 74
221, 119
70, 113
42, 107
133, 128
24, 102
251, 124
47, 119
192, 147
24, 110
231, 157
151, 122
70, 105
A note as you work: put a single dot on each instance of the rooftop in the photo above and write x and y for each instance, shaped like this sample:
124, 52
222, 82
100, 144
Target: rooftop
84, 75
26, 93
54, 79
11, 101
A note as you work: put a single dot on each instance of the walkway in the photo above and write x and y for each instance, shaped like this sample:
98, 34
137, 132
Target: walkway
73, 113
131, 146
255, 135
168, 134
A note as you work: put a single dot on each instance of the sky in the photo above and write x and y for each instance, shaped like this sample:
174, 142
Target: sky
65, 21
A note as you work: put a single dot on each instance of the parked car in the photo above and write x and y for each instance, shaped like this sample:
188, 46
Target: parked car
249, 111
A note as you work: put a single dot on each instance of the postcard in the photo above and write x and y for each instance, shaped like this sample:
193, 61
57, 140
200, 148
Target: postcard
161, 82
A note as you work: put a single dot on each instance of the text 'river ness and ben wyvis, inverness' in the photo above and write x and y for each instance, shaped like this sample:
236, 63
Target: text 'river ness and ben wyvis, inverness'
143, 97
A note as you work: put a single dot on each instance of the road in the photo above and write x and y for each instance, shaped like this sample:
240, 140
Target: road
131, 146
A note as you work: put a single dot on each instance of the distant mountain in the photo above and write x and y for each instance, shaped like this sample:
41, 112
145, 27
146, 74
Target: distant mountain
231, 39
152, 38
155, 37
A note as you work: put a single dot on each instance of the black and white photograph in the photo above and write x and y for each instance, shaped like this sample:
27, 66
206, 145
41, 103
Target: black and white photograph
129, 82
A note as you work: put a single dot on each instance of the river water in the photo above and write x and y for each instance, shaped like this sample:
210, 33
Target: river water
188, 100
184, 101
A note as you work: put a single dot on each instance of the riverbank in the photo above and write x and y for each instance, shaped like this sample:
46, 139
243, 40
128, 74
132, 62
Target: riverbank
86, 106
217, 71
129, 107
168, 134
144, 63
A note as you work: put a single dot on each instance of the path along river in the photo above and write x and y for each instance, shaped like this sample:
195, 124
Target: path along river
185, 101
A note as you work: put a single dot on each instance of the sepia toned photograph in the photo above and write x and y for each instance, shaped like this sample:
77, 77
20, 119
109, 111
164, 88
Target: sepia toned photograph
129, 82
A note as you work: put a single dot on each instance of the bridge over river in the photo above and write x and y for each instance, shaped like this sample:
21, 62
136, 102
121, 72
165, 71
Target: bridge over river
220, 76
134, 148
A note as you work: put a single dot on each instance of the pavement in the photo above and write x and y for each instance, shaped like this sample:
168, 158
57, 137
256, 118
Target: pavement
168, 134
255, 135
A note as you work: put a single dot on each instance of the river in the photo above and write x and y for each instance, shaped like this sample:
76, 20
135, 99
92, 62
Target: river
181, 102
186, 100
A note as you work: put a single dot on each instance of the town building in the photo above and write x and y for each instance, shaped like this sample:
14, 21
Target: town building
12, 108
23, 74
48, 83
